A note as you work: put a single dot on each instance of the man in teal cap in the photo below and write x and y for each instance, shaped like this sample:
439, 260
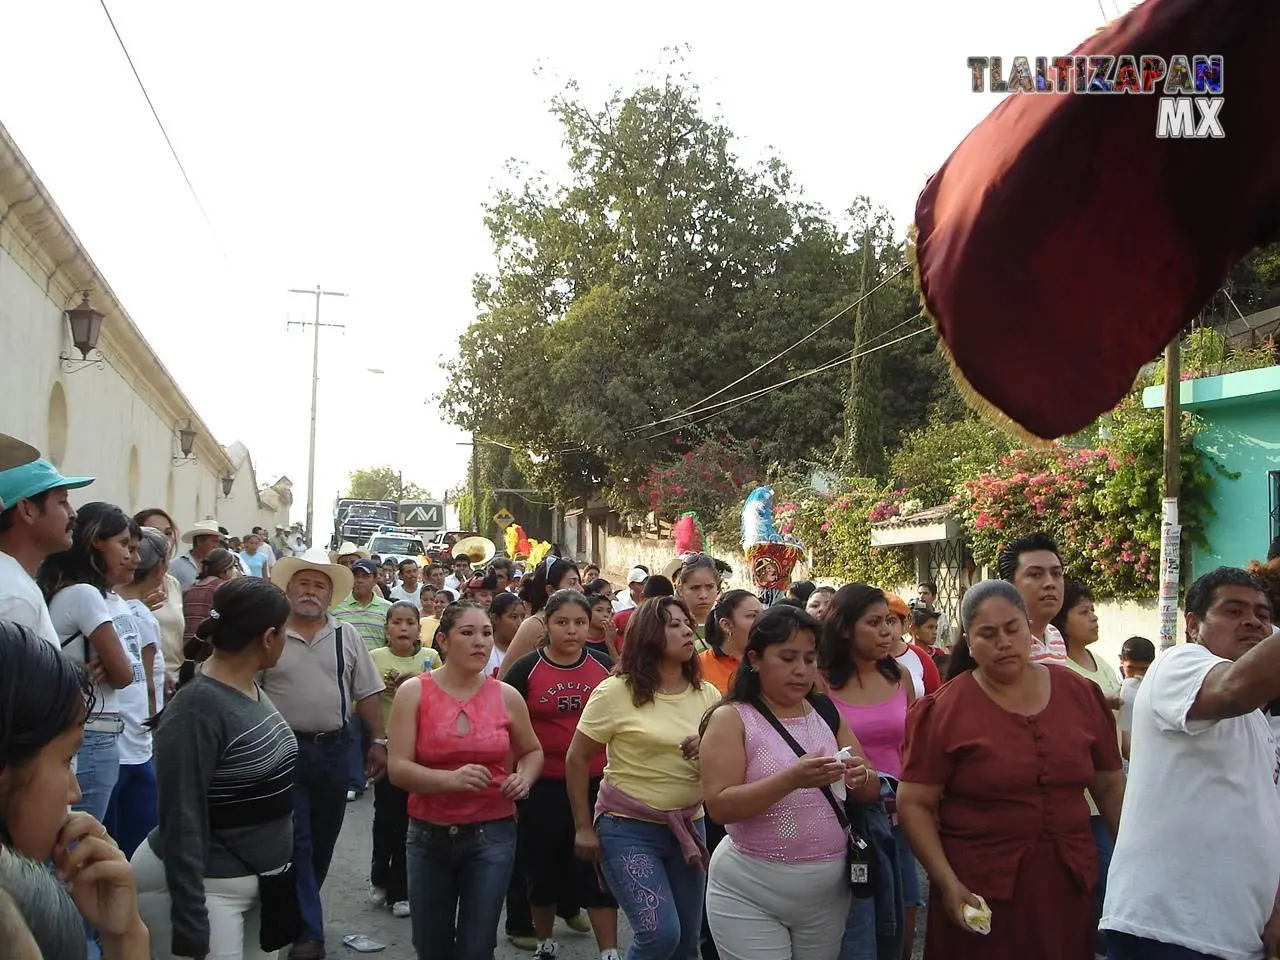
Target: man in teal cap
36, 520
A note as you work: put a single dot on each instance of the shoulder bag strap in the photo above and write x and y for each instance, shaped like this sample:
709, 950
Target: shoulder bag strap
774, 722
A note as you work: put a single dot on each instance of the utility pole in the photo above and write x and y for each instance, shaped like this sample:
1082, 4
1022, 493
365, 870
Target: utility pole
1170, 529
315, 382
475, 484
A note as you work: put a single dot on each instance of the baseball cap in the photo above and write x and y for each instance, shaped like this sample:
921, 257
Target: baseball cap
637, 575
365, 566
897, 605
33, 479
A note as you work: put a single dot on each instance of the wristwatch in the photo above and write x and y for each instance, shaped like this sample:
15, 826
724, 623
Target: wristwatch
380, 743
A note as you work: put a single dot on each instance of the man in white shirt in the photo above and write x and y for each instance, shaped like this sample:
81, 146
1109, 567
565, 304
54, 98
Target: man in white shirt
1196, 868
409, 589
1033, 564
461, 575
36, 521
635, 594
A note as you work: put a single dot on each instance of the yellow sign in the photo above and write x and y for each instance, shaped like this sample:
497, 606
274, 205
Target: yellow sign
504, 518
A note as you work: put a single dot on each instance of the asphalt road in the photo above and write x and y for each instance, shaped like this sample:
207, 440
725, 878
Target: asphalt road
347, 909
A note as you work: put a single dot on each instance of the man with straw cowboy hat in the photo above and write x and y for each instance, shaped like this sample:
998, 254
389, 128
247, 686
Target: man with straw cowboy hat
204, 536
323, 675
347, 554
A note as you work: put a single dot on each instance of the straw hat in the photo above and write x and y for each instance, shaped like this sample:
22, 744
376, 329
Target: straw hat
348, 549
15, 453
208, 527
315, 559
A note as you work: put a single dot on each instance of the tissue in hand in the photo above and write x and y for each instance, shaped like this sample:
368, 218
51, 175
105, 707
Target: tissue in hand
837, 788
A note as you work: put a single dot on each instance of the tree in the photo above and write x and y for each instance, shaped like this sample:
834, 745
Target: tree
664, 269
382, 483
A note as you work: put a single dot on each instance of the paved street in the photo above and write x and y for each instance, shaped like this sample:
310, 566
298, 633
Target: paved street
347, 910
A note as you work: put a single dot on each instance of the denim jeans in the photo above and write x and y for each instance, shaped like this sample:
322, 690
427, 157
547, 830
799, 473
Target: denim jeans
660, 893
356, 750
458, 878
319, 804
1124, 946
1105, 844
133, 811
390, 824
97, 770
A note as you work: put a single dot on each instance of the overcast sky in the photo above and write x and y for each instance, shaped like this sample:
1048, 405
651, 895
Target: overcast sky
352, 145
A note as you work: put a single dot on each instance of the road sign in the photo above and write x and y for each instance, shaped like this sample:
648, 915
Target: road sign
504, 518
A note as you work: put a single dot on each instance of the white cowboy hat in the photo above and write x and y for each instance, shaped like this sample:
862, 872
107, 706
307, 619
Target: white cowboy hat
348, 549
208, 527
315, 559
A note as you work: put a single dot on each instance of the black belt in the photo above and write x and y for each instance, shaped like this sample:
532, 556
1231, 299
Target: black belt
453, 830
324, 736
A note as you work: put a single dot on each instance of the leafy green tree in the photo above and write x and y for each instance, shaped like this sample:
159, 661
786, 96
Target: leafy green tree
665, 268
383, 483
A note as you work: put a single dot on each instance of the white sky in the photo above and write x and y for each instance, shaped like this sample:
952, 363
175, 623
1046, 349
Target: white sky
352, 145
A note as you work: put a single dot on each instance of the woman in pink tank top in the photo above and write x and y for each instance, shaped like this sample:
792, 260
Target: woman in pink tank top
453, 735
872, 691
779, 885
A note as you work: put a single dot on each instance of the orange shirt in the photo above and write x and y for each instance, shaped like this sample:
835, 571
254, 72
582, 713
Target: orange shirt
718, 670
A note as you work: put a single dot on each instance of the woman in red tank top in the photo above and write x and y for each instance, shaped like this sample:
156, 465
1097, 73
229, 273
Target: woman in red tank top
453, 735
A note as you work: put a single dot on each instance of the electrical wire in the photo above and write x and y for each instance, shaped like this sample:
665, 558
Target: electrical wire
172, 149
778, 356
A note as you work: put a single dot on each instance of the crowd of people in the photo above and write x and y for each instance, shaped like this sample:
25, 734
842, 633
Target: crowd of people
740, 780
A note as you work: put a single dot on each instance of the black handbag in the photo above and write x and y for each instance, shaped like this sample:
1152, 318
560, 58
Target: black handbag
279, 910
859, 856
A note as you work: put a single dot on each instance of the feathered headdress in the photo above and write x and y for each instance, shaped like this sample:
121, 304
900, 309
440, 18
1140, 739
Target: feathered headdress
516, 541
771, 555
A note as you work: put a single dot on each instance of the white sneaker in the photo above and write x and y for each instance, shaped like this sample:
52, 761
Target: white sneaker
400, 909
547, 950
351, 796
377, 896
610, 954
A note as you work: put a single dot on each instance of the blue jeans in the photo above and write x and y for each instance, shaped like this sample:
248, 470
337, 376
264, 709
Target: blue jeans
133, 811
356, 750
660, 893
97, 769
319, 804
458, 879
1105, 845
1124, 946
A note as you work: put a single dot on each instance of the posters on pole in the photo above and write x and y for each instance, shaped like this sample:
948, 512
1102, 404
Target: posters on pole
1170, 573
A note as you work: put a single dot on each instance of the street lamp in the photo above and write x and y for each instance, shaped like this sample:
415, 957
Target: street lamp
86, 326
186, 443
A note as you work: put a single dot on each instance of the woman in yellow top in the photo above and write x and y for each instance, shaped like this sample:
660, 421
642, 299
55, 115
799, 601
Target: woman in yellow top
646, 830
403, 657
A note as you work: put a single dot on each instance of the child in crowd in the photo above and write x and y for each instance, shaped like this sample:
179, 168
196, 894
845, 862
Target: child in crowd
601, 634
924, 633
403, 657
1136, 655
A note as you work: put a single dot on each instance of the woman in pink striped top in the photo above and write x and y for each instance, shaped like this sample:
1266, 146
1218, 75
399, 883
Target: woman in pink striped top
778, 886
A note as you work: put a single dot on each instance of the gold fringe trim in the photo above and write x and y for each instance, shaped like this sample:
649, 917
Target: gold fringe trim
976, 401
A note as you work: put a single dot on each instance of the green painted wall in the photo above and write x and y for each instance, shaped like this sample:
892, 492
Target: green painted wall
1245, 438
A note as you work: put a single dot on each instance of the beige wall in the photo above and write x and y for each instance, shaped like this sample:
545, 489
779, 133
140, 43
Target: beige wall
118, 423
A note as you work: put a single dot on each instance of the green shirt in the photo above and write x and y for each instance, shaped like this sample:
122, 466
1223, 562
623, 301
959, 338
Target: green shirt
370, 621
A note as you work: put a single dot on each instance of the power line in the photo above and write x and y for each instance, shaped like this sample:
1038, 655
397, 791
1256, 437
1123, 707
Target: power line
160, 124
812, 333
755, 394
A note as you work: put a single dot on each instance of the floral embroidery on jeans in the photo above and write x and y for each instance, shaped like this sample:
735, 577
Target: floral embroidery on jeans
646, 903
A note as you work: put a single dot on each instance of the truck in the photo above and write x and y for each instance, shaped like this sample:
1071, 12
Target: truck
424, 516
358, 520
396, 544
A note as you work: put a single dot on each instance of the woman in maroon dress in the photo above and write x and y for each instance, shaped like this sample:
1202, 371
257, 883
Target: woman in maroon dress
992, 792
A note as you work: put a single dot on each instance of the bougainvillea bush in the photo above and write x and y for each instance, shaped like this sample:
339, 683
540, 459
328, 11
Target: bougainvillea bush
1101, 503
704, 480
836, 527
